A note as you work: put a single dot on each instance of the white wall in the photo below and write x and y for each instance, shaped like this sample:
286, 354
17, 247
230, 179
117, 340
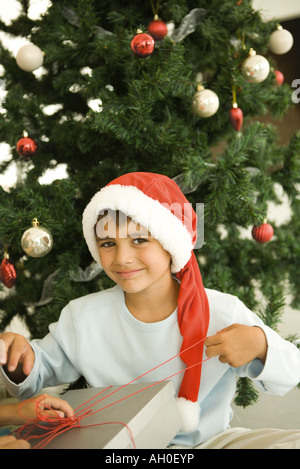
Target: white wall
278, 9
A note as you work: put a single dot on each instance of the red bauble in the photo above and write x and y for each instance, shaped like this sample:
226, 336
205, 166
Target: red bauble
158, 29
26, 146
236, 118
8, 274
142, 44
262, 233
279, 78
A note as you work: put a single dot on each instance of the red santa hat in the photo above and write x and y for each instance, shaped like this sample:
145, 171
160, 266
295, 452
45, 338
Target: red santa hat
156, 202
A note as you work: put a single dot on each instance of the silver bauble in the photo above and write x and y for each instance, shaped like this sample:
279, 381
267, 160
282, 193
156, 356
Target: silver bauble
205, 102
37, 241
255, 68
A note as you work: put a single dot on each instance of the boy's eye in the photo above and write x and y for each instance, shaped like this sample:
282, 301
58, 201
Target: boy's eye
109, 244
139, 240
106, 244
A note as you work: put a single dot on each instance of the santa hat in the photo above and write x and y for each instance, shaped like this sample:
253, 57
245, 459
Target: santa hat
155, 202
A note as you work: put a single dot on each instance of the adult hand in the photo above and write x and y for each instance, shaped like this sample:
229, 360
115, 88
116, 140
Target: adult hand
10, 442
49, 406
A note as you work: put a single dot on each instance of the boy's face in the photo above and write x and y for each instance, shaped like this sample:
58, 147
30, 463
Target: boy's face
130, 256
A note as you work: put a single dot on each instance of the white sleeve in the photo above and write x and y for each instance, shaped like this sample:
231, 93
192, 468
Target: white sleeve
281, 370
53, 363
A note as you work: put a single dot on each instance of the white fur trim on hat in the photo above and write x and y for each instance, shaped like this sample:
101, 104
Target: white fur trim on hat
189, 412
149, 213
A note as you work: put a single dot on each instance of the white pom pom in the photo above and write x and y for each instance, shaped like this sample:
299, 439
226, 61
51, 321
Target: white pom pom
189, 413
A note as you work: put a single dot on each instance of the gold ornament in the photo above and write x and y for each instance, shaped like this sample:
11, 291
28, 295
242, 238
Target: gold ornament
36, 241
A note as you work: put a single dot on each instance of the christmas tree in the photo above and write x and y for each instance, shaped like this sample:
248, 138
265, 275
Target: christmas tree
98, 96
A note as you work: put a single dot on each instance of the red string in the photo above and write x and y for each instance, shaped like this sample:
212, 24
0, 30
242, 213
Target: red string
57, 426
53, 426
91, 399
140, 390
147, 372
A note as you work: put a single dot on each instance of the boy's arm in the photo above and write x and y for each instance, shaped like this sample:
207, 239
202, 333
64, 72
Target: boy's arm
276, 369
50, 361
281, 371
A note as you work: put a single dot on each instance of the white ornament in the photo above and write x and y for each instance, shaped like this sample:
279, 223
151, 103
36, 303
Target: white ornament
255, 68
281, 41
29, 58
37, 241
205, 102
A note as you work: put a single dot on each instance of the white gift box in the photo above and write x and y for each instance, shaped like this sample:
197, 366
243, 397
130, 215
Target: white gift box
146, 420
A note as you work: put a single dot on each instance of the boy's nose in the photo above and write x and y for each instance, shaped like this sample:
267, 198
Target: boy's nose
123, 255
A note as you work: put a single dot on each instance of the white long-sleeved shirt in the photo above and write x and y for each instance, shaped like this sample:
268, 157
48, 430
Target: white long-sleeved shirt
97, 337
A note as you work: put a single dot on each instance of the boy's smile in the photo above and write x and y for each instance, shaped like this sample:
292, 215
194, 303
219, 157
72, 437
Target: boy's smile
126, 274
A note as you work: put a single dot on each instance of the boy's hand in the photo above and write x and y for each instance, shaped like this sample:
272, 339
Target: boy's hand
16, 352
237, 345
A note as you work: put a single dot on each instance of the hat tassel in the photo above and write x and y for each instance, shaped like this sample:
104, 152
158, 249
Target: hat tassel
189, 413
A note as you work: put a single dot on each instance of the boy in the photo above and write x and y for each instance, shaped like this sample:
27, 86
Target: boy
142, 230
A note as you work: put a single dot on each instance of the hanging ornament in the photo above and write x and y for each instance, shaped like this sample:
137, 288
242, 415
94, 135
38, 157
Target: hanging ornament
8, 275
142, 44
30, 57
157, 28
281, 41
255, 68
235, 114
205, 102
37, 241
236, 117
26, 146
262, 233
279, 78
